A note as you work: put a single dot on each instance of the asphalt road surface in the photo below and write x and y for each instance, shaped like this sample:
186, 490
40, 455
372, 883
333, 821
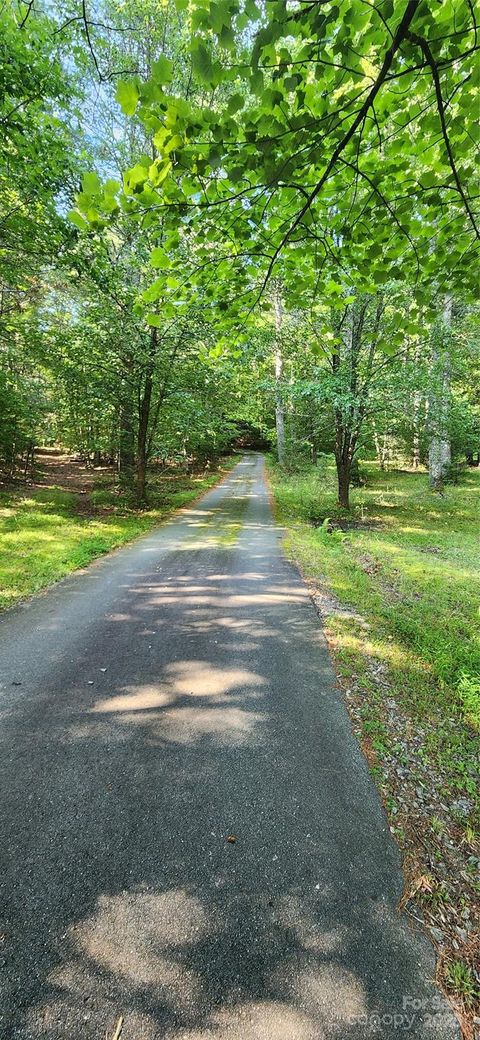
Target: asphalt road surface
176, 693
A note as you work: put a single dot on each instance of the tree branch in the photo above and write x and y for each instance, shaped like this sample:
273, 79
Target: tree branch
400, 35
423, 44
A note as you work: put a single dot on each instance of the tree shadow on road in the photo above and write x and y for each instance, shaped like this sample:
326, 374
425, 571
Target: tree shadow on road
203, 707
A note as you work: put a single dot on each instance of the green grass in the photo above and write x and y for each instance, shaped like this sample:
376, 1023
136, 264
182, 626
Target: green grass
460, 978
413, 575
46, 533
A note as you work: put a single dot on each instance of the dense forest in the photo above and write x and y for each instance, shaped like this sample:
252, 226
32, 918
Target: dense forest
229, 222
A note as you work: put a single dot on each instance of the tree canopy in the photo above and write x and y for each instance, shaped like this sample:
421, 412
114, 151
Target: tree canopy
170, 170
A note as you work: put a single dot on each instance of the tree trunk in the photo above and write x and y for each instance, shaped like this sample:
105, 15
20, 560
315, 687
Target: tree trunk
279, 405
416, 430
126, 442
343, 475
417, 404
440, 454
144, 416
380, 448
29, 458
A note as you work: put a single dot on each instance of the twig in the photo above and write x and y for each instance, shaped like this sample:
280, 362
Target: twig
423, 44
118, 1030
400, 35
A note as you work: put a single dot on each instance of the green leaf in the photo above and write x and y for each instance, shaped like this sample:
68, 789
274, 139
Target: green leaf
159, 171
202, 63
159, 258
111, 187
135, 177
127, 95
235, 103
76, 218
252, 10
91, 183
154, 320
162, 70
333, 288
154, 291
173, 144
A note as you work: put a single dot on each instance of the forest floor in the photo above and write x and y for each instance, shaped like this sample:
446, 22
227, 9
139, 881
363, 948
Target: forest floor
67, 514
396, 586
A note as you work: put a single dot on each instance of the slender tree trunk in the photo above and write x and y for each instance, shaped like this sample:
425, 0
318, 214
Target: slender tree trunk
440, 453
279, 405
417, 404
379, 448
344, 449
29, 458
416, 429
126, 442
144, 416
343, 475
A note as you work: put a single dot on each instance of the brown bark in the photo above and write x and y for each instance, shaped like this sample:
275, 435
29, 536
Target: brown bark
126, 445
343, 475
279, 405
144, 417
440, 452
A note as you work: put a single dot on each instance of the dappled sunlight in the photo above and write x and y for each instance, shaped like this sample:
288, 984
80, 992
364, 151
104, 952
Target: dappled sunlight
203, 513
153, 956
17, 537
135, 699
246, 628
415, 562
243, 576
331, 995
200, 878
208, 595
409, 529
292, 915
138, 940
163, 711
395, 654
135, 935
255, 1020
199, 679
230, 726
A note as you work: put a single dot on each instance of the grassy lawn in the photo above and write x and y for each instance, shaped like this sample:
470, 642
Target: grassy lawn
46, 533
401, 581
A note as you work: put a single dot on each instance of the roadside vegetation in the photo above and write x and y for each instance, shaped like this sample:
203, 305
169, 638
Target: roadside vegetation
46, 531
396, 581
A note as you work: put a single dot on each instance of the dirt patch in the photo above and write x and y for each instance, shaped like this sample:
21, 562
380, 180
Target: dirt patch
60, 470
331, 524
57, 470
326, 604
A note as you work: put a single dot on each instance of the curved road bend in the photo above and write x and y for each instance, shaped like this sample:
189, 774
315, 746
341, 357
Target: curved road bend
177, 692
